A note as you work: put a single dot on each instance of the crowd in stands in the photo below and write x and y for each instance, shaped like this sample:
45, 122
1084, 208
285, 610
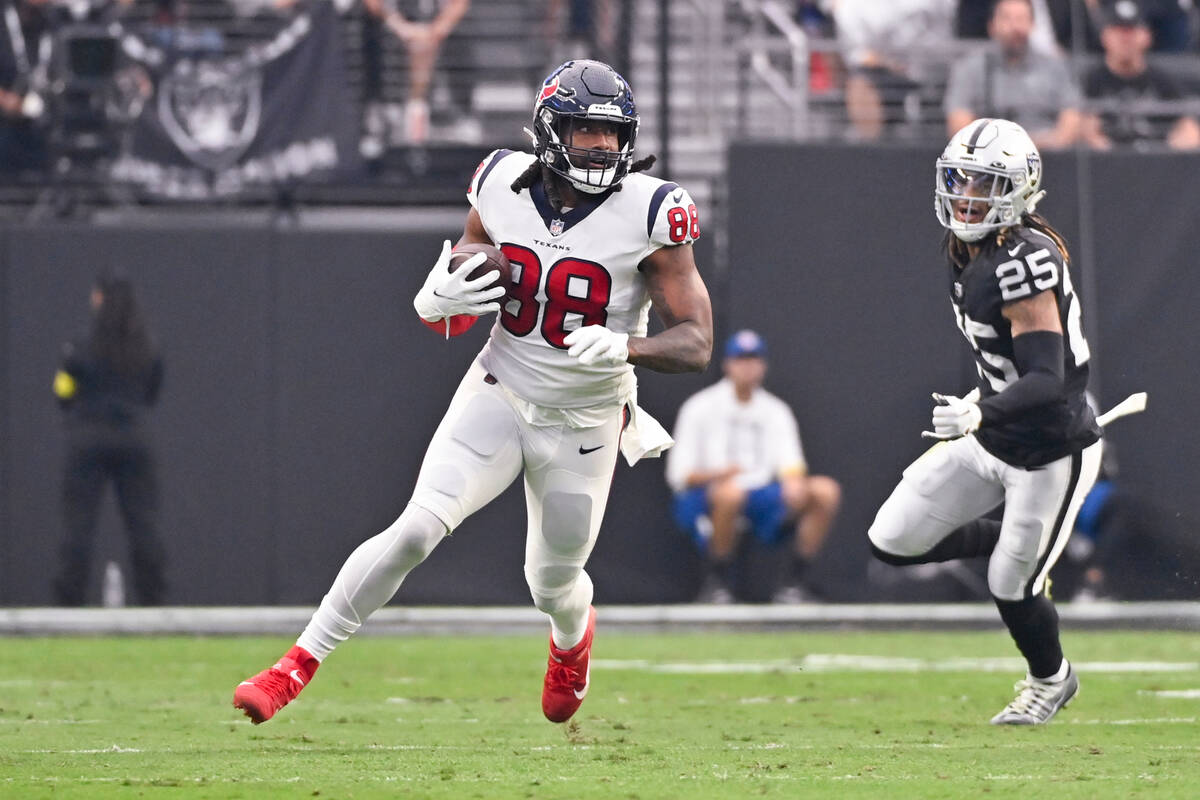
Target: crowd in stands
1097, 73
1101, 73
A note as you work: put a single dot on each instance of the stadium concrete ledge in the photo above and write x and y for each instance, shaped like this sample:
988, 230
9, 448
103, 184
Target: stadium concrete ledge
445, 620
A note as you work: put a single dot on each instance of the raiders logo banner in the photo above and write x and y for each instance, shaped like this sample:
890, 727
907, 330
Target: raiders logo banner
221, 126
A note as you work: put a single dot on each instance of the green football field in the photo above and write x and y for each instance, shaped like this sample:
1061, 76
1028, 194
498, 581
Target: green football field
720, 715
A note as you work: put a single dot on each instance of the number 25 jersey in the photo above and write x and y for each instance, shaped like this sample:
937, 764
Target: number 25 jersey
572, 268
1027, 263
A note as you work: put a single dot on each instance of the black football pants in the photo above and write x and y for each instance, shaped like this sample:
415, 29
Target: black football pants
90, 465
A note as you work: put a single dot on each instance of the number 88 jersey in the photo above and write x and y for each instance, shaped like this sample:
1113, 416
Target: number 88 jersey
571, 269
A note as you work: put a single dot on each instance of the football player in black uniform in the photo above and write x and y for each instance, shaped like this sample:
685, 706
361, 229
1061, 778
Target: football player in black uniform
1025, 435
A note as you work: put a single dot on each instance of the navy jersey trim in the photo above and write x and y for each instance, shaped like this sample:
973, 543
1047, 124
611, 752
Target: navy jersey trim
488, 170
656, 201
587, 204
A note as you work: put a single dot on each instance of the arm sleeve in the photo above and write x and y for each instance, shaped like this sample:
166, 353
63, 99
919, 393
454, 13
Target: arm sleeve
1040, 360
683, 457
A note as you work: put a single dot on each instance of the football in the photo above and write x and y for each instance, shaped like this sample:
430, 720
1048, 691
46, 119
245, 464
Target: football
496, 260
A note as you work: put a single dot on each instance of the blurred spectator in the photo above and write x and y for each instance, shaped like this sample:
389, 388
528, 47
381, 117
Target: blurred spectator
1140, 100
104, 385
973, 16
590, 30
813, 16
25, 52
1171, 22
738, 460
1126, 547
1010, 80
172, 29
422, 26
881, 44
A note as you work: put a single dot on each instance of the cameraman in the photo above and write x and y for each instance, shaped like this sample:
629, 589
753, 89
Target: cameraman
25, 47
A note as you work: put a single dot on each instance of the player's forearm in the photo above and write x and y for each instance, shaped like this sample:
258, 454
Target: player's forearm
1039, 358
686, 347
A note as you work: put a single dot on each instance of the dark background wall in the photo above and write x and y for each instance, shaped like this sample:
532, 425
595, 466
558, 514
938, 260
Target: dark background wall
300, 394
836, 257
301, 390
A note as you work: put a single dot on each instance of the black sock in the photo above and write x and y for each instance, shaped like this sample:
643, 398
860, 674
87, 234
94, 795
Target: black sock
796, 569
722, 570
1033, 624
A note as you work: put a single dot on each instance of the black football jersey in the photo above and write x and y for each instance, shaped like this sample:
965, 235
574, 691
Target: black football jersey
1027, 263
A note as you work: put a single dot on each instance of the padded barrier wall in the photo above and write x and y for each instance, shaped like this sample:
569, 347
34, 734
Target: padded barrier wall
301, 391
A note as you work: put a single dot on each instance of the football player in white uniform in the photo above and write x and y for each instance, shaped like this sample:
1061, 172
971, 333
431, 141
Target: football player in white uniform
1025, 436
594, 245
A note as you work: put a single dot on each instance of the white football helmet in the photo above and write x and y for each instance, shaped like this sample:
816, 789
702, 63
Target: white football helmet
987, 177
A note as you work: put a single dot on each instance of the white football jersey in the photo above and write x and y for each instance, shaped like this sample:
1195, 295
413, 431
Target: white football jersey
572, 269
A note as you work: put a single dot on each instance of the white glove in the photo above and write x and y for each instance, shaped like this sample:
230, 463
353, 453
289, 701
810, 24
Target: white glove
448, 294
954, 416
597, 346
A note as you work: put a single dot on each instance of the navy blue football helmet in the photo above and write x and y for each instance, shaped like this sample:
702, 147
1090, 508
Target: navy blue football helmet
584, 89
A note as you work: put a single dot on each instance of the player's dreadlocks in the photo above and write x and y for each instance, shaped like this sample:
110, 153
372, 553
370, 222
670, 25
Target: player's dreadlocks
959, 255
538, 171
1039, 223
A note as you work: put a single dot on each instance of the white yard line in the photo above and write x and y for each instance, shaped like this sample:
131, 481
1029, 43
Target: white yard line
116, 748
51, 721
1181, 694
1148, 721
841, 662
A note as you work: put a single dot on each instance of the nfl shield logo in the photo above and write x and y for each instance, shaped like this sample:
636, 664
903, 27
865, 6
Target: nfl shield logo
556, 227
958, 290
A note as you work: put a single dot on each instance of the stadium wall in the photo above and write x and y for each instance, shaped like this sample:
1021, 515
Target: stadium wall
301, 390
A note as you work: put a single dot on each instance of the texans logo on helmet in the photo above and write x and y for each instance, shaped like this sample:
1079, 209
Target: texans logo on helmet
548, 90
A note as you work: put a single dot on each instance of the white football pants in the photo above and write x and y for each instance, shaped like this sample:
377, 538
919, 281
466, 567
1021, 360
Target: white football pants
958, 481
478, 450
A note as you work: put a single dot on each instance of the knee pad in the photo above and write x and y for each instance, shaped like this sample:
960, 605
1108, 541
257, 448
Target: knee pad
414, 535
567, 523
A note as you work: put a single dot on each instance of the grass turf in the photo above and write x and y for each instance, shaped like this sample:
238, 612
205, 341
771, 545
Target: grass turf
674, 716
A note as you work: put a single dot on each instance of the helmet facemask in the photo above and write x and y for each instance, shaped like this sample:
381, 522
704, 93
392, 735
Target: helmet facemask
587, 170
973, 202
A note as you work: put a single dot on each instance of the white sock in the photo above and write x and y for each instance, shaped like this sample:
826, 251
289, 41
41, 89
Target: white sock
1057, 677
369, 578
569, 615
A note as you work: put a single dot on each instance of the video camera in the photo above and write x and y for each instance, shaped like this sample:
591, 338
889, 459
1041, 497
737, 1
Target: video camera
83, 89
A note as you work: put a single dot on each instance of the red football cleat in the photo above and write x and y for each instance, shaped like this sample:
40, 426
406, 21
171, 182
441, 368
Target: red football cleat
567, 674
272, 689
